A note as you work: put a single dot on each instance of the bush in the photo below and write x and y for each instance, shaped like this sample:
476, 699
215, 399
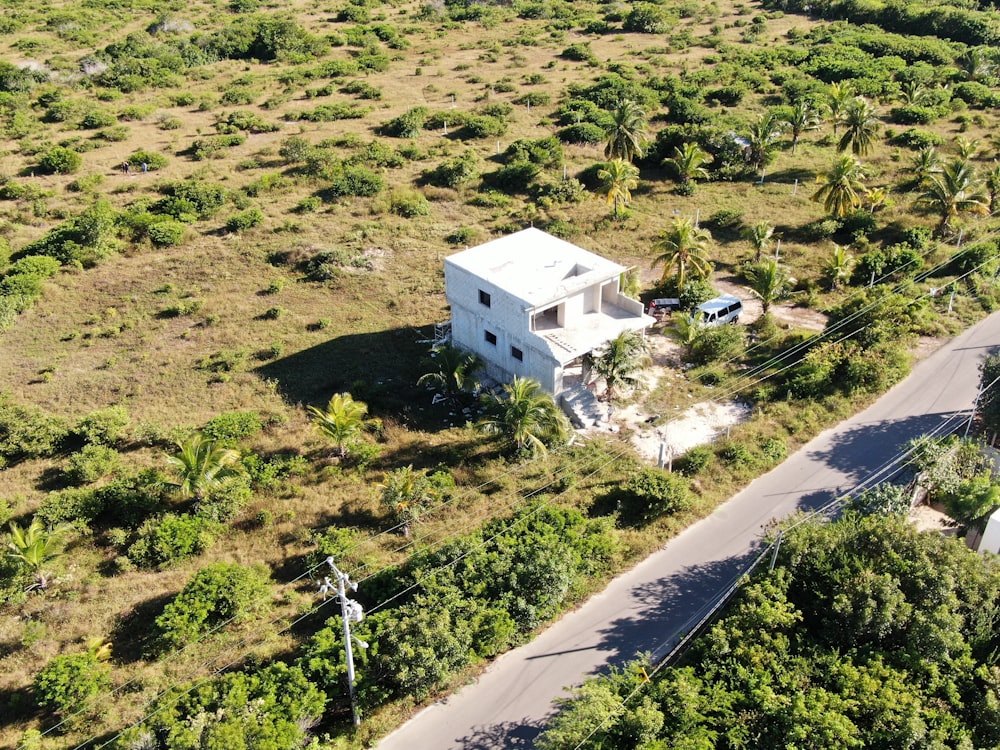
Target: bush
192, 199
354, 181
151, 159
647, 18
916, 139
217, 595
718, 344
456, 171
166, 233
69, 682
694, 461
484, 126
104, 426
582, 132
252, 217
407, 125
91, 463
26, 432
59, 160
166, 540
232, 426
737, 453
513, 178
651, 493
409, 203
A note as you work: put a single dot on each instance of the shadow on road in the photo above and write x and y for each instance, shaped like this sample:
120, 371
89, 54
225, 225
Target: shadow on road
869, 450
508, 735
668, 608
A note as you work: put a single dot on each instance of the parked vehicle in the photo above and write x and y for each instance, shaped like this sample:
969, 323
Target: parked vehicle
664, 305
721, 310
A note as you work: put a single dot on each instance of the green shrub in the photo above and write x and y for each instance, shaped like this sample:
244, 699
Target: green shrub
650, 493
192, 199
68, 683
27, 432
232, 426
86, 183
718, 344
354, 181
151, 159
648, 18
454, 172
166, 233
91, 463
578, 52
106, 426
244, 220
737, 453
407, 125
582, 132
59, 160
170, 538
694, 460
463, 236
916, 139
484, 126
774, 450
97, 118
217, 595
409, 203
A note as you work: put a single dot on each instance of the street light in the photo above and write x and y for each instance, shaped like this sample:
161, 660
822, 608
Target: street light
350, 611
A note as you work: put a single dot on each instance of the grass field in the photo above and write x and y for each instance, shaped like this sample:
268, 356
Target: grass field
228, 321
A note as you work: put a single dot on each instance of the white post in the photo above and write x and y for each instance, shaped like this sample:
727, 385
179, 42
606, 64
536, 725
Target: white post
777, 250
345, 613
951, 300
697, 217
795, 187
446, 127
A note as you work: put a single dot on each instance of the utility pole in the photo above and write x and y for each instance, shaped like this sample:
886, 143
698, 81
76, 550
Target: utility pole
350, 611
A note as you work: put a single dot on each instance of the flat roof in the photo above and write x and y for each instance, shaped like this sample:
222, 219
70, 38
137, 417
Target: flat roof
535, 266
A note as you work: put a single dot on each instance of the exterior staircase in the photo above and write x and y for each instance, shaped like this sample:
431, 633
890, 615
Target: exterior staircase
582, 406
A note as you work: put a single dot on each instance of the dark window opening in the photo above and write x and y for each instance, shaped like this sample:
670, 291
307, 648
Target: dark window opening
491, 338
484, 298
517, 354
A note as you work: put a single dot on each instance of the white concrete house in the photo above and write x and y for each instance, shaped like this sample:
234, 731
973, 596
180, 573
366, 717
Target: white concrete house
532, 305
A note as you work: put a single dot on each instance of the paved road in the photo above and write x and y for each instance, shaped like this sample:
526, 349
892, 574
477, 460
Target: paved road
645, 609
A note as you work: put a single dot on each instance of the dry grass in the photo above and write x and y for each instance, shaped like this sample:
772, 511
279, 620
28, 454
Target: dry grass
100, 336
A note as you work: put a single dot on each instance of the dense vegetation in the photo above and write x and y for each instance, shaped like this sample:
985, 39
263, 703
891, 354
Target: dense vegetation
221, 232
867, 633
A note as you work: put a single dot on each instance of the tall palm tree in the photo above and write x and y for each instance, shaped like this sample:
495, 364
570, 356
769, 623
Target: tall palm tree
769, 282
762, 140
954, 191
620, 362
625, 135
966, 148
993, 186
760, 236
454, 371
838, 269
802, 117
201, 465
32, 548
687, 330
343, 420
841, 187
618, 179
838, 96
683, 245
406, 493
524, 415
861, 126
926, 163
914, 93
687, 163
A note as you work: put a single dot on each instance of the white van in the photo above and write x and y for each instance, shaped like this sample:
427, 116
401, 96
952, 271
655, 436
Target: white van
723, 309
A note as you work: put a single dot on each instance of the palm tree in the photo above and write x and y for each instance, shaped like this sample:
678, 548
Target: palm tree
201, 466
838, 96
343, 420
838, 269
760, 237
686, 330
33, 547
620, 362
801, 118
876, 198
454, 371
687, 163
993, 185
926, 163
683, 245
975, 64
619, 178
525, 416
625, 135
955, 190
966, 148
860, 127
841, 187
913, 93
769, 282
762, 139
406, 493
